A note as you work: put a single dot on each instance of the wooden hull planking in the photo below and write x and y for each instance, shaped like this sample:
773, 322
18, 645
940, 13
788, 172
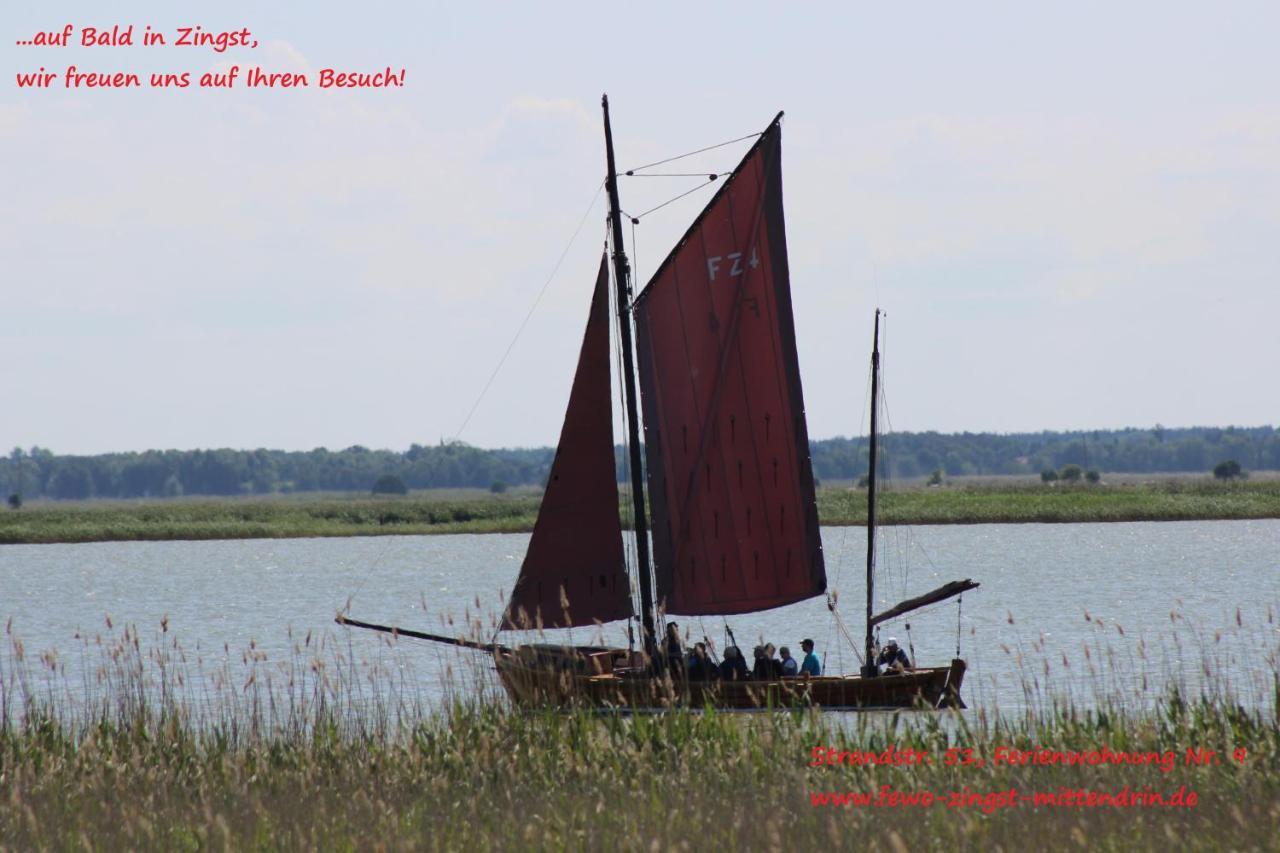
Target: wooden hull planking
551, 676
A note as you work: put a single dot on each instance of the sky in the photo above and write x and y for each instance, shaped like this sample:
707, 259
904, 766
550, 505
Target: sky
1069, 213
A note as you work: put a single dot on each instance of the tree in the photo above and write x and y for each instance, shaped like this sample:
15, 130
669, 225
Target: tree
1048, 475
1071, 473
172, 487
1228, 469
71, 482
389, 484
1092, 475
935, 479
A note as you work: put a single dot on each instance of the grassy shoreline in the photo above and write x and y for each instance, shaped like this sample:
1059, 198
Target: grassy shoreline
461, 511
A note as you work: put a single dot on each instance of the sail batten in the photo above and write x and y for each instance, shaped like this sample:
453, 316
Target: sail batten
574, 572
731, 487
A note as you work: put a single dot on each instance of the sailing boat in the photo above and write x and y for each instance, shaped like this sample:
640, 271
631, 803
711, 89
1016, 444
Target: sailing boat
726, 469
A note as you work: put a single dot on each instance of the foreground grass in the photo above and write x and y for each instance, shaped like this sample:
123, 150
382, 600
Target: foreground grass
310, 765
490, 778
444, 512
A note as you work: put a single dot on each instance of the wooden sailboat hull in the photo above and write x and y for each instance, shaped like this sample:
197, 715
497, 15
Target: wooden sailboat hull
544, 676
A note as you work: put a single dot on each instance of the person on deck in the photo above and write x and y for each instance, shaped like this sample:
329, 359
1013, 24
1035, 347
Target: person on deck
674, 650
734, 666
811, 666
700, 665
790, 666
893, 659
767, 667
771, 657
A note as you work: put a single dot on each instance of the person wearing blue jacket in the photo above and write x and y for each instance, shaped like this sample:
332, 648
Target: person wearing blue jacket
810, 665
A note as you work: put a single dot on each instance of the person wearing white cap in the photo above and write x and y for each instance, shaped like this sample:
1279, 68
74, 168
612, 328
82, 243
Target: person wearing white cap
892, 659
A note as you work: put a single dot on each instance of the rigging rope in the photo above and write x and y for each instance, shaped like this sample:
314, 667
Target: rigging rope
710, 176
631, 545
631, 173
833, 598
895, 570
845, 631
636, 219
635, 256
627, 508
529, 315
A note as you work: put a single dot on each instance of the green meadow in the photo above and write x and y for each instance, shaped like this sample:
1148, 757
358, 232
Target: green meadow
446, 511
475, 511
1020, 501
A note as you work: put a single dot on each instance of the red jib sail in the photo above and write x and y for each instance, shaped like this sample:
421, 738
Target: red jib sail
574, 572
735, 522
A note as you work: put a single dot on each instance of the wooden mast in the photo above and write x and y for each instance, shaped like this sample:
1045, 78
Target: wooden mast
869, 665
622, 274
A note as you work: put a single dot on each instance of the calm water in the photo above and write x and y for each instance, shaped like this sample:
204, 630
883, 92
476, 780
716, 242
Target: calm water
1164, 601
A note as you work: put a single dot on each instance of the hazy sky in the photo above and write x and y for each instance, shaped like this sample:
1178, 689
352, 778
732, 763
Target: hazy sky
1071, 216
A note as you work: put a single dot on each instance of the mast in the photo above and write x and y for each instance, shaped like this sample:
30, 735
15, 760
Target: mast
869, 665
622, 273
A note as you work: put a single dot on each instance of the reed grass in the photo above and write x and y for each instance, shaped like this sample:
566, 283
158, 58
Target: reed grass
159, 747
468, 511
1021, 502
265, 518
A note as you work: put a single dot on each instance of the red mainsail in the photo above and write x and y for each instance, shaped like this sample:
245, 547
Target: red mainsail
574, 572
735, 522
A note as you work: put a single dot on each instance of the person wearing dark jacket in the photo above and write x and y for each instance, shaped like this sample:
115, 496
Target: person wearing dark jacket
733, 667
767, 667
700, 666
674, 650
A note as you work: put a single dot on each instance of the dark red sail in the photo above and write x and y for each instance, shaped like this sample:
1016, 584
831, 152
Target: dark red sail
574, 572
735, 523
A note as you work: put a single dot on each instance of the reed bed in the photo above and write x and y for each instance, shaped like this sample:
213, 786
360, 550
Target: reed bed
266, 518
1021, 502
153, 746
469, 512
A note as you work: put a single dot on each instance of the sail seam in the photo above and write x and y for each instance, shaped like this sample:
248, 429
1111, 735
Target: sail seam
725, 353
762, 189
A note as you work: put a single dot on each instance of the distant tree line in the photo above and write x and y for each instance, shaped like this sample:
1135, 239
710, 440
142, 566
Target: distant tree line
40, 473
1134, 451
172, 473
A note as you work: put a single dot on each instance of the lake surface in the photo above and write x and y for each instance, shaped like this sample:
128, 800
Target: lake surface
1079, 610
